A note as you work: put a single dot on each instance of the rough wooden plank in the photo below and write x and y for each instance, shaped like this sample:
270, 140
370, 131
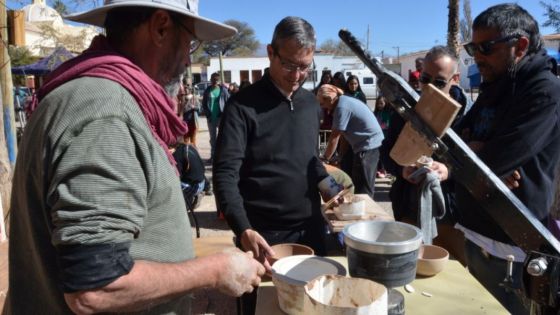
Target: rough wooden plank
438, 111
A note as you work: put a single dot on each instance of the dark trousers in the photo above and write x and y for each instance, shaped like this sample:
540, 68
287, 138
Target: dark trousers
363, 171
311, 234
490, 271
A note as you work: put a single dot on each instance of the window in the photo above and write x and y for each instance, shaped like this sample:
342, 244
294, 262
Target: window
243, 75
312, 75
257, 75
367, 80
227, 76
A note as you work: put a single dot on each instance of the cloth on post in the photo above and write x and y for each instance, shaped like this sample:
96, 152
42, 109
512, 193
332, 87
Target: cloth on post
102, 61
431, 204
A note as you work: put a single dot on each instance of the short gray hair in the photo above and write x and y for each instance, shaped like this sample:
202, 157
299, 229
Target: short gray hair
440, 51
294, 28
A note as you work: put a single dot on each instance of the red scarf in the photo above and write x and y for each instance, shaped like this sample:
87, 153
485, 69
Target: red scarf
101, 61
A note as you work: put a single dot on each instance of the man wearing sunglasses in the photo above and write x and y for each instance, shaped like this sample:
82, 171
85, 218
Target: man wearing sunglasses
98, 222
514, 128
440, 68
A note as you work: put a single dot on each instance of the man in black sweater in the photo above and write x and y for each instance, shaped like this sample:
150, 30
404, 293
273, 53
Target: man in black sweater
266, 169
514, 128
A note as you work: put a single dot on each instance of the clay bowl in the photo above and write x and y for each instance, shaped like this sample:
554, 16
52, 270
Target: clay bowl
289, 249
291, 274
339, 295
431, 260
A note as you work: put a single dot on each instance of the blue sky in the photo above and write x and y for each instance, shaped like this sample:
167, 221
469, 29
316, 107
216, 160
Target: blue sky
410, 25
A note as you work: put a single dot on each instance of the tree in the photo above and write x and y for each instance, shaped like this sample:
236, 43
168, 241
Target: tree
243, 43
70, 42
553, 14
60, 7
335, 47
328, 46
453, 26
20, 56
466, 23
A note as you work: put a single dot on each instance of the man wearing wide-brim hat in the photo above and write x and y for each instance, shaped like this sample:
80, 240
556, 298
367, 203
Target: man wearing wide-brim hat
98, 222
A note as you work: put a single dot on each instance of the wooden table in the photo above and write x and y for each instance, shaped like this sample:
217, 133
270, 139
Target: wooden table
454, 291
209, 245
373, 211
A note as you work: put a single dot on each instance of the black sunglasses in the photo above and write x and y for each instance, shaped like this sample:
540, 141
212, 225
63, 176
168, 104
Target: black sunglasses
486, 47
438, 82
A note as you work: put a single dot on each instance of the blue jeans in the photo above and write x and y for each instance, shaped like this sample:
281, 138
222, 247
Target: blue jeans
364, 168
213, 130
490, 271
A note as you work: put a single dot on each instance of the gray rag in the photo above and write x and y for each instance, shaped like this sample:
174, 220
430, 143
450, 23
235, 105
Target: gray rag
431, 206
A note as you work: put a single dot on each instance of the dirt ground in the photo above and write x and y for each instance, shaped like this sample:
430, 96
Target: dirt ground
206, 301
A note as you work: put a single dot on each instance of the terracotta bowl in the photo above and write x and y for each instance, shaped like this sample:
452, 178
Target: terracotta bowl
289, 249
431, 260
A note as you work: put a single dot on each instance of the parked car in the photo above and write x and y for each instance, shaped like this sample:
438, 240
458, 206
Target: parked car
200, 87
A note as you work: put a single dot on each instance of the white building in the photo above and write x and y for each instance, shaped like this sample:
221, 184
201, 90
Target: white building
39, 17
237, 69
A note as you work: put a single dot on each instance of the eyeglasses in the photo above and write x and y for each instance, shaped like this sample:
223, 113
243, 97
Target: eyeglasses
291, 67
195, 43
487, 47
437, 82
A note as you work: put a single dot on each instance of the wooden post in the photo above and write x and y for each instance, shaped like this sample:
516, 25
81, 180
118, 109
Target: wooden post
222, 79
7, 121
7, 87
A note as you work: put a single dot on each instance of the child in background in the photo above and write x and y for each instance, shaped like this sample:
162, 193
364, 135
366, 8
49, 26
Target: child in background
383, 114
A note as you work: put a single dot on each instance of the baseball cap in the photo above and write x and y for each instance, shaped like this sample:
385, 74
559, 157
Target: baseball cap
204, 29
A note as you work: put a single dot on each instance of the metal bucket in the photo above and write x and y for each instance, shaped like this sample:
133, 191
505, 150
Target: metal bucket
383, 251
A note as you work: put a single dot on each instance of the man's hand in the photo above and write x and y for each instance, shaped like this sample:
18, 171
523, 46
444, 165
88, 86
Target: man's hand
241, 274
407, 171
438, 168
252, 241
512, 181
441, 170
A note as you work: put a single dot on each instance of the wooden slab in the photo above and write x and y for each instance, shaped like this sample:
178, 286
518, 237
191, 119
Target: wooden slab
372, 212
454, 291
437, 110
209, 245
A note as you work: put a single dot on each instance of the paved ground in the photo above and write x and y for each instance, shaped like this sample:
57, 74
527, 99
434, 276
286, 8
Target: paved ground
206, 301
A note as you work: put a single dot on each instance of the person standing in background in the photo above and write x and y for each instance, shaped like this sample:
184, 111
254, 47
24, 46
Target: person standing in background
352, 88
214, 100
358, 125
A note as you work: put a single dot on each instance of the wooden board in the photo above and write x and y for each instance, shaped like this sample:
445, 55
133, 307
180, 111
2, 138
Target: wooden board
209, 245
438, 111
454, 291
372, 212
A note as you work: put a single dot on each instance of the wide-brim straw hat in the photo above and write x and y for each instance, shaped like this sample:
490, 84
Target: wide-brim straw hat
204, 29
